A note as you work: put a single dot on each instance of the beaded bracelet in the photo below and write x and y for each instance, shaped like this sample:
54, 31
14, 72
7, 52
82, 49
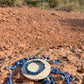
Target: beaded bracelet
37, 72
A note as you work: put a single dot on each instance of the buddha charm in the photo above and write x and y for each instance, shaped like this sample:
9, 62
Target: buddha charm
37, 72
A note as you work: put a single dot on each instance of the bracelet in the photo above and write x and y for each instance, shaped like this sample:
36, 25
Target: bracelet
37, 72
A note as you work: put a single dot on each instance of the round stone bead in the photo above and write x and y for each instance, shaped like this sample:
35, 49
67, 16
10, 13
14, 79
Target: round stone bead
13, 67
8, 67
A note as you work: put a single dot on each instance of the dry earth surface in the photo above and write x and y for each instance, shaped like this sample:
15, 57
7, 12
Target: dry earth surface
26, 32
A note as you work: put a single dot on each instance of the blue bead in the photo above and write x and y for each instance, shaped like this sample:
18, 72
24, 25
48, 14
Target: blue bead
26, 59
62, 73
70, 80
57, 61
10, 74
21, 64
17, 63
71, 76
29, 58
50, 76
13, 67
21, 60
9, 82
44, 57
52, 62
48, 58
66, 74
67, 81
8, 67
9, 79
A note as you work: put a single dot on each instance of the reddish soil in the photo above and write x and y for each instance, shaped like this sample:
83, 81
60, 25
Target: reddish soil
28, 31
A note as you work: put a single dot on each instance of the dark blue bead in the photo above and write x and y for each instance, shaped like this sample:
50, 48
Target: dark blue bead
44, 57
26, 59
9, 82
50, 76
17, 63
66, 74
10, 74
48, 58
62, 73
70, 80
21, 64
9, 79
29, 58
21, 60
71, 76
8, 67
13, 67
67, 81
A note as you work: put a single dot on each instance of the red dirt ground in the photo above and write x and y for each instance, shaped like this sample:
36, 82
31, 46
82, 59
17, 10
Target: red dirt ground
27, 31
